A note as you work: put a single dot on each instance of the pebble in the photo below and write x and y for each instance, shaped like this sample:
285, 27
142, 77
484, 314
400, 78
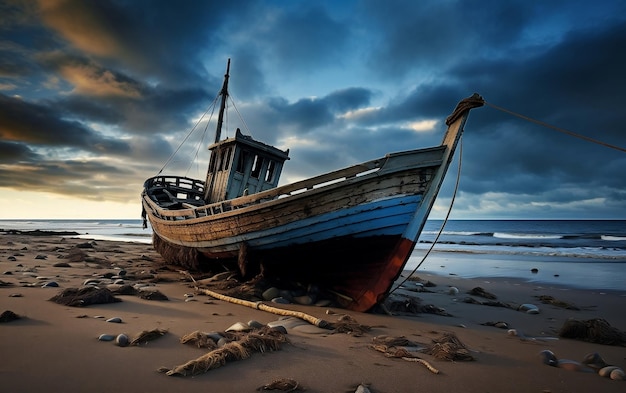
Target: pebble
617, 375
594, 360
362, 389
188, 295
270, 293
41, 256
239, 327
215, 336
528, 308
106, 337
323, 303
16, 295
606, 371
91, 281
114, 320
453, 291
305, 300
190, 299
119, 281
222, 341
50, 284
12, 258
548, 357
280, 329
287, 323
280, 300
122, 340
8, 273
255, 324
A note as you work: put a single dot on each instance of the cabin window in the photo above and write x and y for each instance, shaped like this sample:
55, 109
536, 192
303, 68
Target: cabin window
241, 162
226, 159
256, 166
271, 169
212, 161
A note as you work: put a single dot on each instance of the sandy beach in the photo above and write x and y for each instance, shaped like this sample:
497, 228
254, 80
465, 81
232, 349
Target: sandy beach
55, 347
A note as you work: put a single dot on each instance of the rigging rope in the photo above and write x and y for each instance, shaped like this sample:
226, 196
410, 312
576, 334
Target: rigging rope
240, 117
570, 133
443, 224
187, 136
201, 141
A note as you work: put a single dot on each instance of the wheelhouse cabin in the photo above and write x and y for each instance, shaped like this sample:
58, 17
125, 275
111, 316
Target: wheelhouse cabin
242, 166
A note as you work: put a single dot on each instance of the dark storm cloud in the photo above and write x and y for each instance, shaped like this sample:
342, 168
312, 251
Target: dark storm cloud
12, 152
304, 39
307, 114
575, 85
40, 125
441, 33
159, 39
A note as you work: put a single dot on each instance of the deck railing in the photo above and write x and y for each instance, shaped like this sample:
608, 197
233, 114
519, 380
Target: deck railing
189, 192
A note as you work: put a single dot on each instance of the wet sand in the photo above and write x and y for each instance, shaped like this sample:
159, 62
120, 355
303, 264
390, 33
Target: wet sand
55, 347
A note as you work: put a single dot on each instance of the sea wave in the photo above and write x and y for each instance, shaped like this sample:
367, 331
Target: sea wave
600, 253
610, 238
539, 236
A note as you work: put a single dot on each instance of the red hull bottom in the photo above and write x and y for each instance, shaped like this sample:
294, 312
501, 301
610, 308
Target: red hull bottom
359, 271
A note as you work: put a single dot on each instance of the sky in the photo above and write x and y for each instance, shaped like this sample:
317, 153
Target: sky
96, 97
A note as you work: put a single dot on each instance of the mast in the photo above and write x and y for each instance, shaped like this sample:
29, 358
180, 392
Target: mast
224, 95
213, 169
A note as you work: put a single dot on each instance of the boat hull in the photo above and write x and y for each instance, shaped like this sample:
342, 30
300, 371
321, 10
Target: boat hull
350, 231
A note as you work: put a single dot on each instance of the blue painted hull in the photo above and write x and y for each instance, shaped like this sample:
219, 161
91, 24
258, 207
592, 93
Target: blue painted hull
388, 217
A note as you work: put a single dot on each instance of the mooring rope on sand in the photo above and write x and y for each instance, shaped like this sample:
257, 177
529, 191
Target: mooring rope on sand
262, 306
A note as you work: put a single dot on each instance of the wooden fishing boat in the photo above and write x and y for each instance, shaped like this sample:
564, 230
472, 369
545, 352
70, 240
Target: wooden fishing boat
350, 231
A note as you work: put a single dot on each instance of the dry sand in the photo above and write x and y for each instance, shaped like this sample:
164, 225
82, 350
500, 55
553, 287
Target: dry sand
55, 347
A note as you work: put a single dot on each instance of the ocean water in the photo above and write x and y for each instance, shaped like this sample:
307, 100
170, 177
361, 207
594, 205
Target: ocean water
580, 253
588, 254
114, 230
